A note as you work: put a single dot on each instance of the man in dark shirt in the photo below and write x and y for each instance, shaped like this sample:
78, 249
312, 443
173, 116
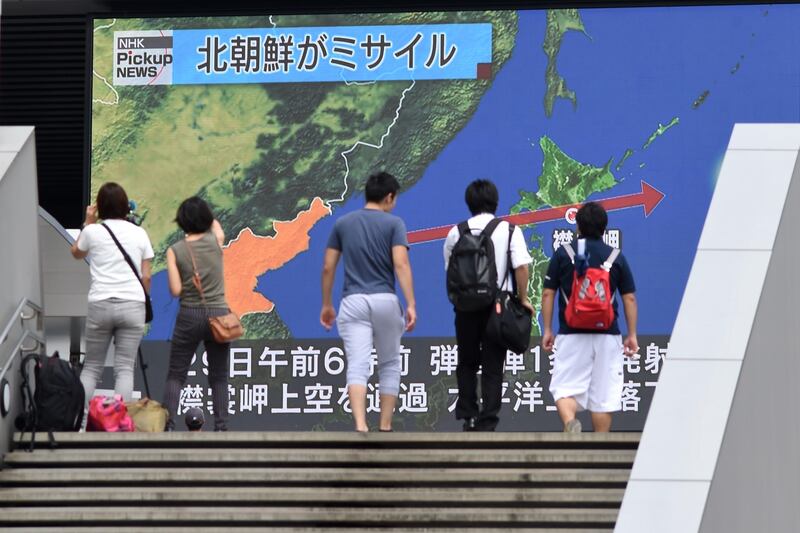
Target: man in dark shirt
588, 366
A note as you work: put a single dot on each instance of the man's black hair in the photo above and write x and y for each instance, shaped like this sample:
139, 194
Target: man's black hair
380, 185
481, 197
592, 220
194, 215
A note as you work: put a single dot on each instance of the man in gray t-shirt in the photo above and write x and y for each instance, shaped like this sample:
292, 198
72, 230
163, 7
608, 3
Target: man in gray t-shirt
366, 238
375, 249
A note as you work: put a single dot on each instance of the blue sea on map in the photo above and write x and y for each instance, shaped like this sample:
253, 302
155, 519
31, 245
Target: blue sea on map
635, 68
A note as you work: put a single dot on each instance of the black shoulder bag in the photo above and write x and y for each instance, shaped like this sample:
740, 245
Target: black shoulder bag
148, 305
510, 322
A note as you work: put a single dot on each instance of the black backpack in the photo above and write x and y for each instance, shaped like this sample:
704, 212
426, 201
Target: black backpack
471, 272
58, 401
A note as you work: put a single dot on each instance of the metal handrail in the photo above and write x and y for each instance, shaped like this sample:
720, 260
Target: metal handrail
19, 315
19, 347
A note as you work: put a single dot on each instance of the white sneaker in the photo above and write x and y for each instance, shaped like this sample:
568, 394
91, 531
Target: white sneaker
573, 426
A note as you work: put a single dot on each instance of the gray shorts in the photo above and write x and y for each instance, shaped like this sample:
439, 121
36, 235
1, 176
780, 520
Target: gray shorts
372, 320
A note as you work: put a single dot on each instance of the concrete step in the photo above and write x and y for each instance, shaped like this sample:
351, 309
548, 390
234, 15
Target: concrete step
316, 516
234, 529
126, 457
283, 496
327, 439
321, 476
318, 481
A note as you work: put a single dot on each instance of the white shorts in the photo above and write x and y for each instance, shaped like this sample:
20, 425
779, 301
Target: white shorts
589, 368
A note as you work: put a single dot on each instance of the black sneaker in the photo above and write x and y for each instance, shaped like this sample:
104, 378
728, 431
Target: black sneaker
471, 424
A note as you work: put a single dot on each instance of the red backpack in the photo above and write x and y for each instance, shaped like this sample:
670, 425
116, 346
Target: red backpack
590, 305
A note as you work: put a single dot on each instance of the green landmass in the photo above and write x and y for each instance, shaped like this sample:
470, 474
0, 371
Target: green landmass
265, 326
700, 100
537, 270
625, 156
661, 130
559, 22
562, 181
261, 152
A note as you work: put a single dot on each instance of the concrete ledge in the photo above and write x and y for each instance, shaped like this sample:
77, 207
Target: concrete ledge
125, 457
320, 476
201, 496
234, 529
330, 437
300, 515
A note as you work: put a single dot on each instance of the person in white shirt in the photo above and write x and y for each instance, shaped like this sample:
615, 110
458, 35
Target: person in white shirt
475, 348
116, 296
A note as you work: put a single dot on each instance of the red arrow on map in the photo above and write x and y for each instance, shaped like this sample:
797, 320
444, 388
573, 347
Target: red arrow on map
649, 198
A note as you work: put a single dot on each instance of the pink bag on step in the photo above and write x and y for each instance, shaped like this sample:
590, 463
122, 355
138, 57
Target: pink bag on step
107, 413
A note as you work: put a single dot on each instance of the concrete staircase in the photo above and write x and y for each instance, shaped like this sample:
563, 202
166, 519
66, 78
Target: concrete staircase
317, 481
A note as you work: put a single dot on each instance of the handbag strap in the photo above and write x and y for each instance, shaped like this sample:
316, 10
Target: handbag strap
198, 283
127, 257
509, 269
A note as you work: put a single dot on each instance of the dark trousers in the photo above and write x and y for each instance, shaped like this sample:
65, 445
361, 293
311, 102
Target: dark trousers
476, 350
191, 327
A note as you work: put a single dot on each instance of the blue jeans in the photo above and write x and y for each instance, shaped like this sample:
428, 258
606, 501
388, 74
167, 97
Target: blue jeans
124, 321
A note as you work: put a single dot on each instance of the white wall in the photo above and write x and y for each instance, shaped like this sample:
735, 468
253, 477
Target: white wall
719, 449
20, 267
20, 270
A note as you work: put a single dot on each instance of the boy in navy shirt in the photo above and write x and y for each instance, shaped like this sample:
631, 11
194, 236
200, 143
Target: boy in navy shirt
588, 365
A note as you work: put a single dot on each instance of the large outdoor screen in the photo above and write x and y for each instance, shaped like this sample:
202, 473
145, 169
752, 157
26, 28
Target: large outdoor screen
277, 121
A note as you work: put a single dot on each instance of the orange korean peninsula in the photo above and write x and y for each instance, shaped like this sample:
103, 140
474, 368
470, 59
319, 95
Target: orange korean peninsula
249, 256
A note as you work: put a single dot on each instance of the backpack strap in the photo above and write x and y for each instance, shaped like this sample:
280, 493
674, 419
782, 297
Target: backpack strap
463, 228
491, 226
611, 258
509, 265
31, 415
570, 252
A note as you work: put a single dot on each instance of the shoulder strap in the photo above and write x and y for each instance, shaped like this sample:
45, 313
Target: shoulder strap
570, 252
126, 256
463, 228
509, 266
611, 258
195, 274
491, 226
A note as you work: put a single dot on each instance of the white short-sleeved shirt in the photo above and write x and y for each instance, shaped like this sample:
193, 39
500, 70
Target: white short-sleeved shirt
111, 275
519, 252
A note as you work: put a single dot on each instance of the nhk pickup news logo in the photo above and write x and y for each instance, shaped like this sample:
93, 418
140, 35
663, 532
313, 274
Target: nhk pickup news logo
143, 57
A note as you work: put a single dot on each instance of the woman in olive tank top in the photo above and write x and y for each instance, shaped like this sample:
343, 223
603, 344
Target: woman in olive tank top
201, 249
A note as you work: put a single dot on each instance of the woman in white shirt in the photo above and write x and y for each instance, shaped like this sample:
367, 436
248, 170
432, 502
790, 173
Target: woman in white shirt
116, 296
